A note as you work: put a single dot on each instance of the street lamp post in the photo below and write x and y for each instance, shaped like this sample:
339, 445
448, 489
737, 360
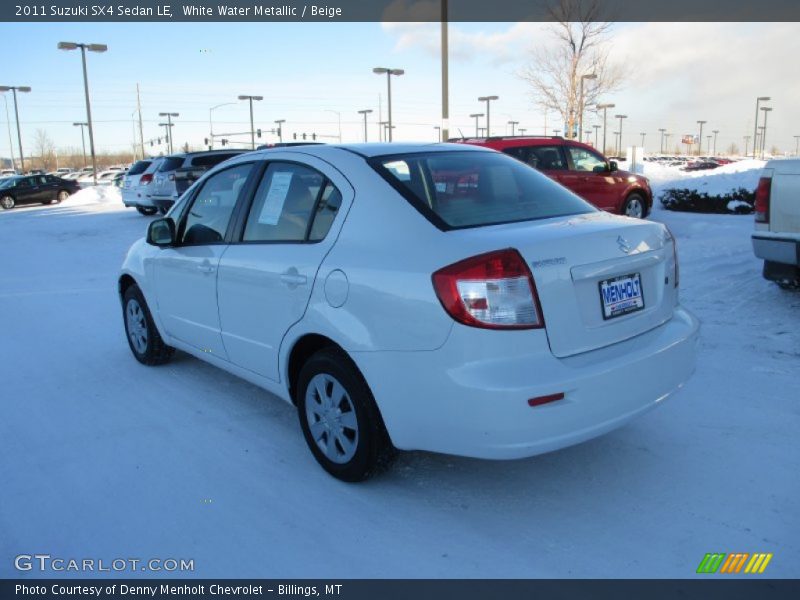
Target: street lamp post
438, 129
167, 127
759, 137
661, 146
797, 145
389, 72
715, 132
84, 48
700, 138
596, 129
766, 110
252, 125
169, 116
747, 139
666, 140
620, 117
211, 124
755, 127
476, 116
279, 123
522, 130
580, 107
642, 134
365, 112
605, 108
513, 126
488, 100
14, 89
8, 129
83, 141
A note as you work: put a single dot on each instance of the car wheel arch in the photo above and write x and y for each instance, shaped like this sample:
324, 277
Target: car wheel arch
301, 350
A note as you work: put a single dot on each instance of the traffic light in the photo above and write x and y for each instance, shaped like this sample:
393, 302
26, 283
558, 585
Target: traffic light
294, 135
304, 136
313, 136
258, 132
224, 142
206, 141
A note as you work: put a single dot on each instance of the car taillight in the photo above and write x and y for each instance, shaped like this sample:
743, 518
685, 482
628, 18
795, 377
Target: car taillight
671, 237
493, 291
146, 179
762, 196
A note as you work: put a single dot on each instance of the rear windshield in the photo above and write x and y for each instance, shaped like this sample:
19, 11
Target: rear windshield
170, 163
139, 167
470, 189
209, 160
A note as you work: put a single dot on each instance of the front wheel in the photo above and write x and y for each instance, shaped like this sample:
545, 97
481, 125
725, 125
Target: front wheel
340, 420
635, 207
143, 337
7, 202
147, 211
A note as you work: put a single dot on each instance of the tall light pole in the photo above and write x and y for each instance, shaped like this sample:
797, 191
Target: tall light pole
365, 112
522, 130
445, 51
476, 116
755, 127
211, 124
596, 129
715, 132
488, 100
252, 125
84, 48
616, 142
14, 89
642, 134
700, 138
580, 106
513, 126
438, 129
661, 146
10, 141
666, 140
83, 141
759, 137
167, 127
620, 117
797, 145
279, 123
605, 108
766, 110
389, 72
169, 116
747, 139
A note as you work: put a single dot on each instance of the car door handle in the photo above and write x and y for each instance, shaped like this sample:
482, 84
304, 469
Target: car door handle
206, 268
292, 278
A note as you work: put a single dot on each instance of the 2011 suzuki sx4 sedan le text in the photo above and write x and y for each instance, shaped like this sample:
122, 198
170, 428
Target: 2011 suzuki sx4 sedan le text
432, 297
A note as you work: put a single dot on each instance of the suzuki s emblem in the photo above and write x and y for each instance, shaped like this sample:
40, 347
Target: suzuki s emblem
623, 244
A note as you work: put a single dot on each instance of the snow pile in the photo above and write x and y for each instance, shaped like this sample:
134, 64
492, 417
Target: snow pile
98, 194
716, 182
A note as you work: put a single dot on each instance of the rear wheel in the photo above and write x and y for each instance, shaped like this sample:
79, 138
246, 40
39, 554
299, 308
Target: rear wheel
147, 211
635, 206
340, 420
7, 202
62, 195
143, 337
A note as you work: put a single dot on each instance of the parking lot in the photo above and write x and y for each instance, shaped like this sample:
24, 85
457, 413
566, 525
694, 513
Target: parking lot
103, 457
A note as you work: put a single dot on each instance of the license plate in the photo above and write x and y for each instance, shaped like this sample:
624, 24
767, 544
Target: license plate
621, 295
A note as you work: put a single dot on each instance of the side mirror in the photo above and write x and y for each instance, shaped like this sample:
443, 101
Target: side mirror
613, 166
600, 169
161, 233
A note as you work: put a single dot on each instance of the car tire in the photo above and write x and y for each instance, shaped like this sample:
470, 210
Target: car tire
147, 211
143, 338
62, 195
341, 422
163, 210
635, 206
7, 202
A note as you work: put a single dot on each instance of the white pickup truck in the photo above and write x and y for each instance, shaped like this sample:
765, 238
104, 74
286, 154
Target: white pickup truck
776, 238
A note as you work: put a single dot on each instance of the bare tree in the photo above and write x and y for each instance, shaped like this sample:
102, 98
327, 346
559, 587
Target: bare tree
579, 47
45, 150
733, 149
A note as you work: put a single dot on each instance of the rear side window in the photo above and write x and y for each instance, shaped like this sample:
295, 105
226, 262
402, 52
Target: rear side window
140, 167
293, 203
171, 163
209, 160
469, 189
544, 158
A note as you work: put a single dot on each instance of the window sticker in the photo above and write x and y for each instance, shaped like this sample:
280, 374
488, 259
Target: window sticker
276, 197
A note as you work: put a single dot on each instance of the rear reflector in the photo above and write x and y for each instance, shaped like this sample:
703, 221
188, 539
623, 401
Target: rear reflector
491, 291
763, 192
538, 401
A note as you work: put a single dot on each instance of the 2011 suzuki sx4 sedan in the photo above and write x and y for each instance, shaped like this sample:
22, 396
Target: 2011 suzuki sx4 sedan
437, 297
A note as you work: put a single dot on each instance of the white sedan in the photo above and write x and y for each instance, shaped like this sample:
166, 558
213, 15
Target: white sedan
430, 297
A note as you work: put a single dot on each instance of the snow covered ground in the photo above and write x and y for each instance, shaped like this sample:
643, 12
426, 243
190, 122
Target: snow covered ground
101, 457
741, 174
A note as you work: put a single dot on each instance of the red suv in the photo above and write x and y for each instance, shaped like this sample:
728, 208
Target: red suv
579, 168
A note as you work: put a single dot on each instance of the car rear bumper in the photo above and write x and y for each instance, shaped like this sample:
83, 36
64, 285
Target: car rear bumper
470, 397
163, 202
132, 198
777, 247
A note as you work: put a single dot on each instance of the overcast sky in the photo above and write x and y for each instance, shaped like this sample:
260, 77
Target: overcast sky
679, 73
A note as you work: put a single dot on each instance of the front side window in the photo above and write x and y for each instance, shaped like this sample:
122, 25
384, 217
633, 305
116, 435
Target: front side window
208, 217
293, 203
469, 189
585, 160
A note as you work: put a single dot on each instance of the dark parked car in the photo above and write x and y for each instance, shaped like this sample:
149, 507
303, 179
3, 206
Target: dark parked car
35, 189
700, 166
179, 171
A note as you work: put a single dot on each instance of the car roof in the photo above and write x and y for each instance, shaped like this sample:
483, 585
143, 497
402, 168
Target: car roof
370, 150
